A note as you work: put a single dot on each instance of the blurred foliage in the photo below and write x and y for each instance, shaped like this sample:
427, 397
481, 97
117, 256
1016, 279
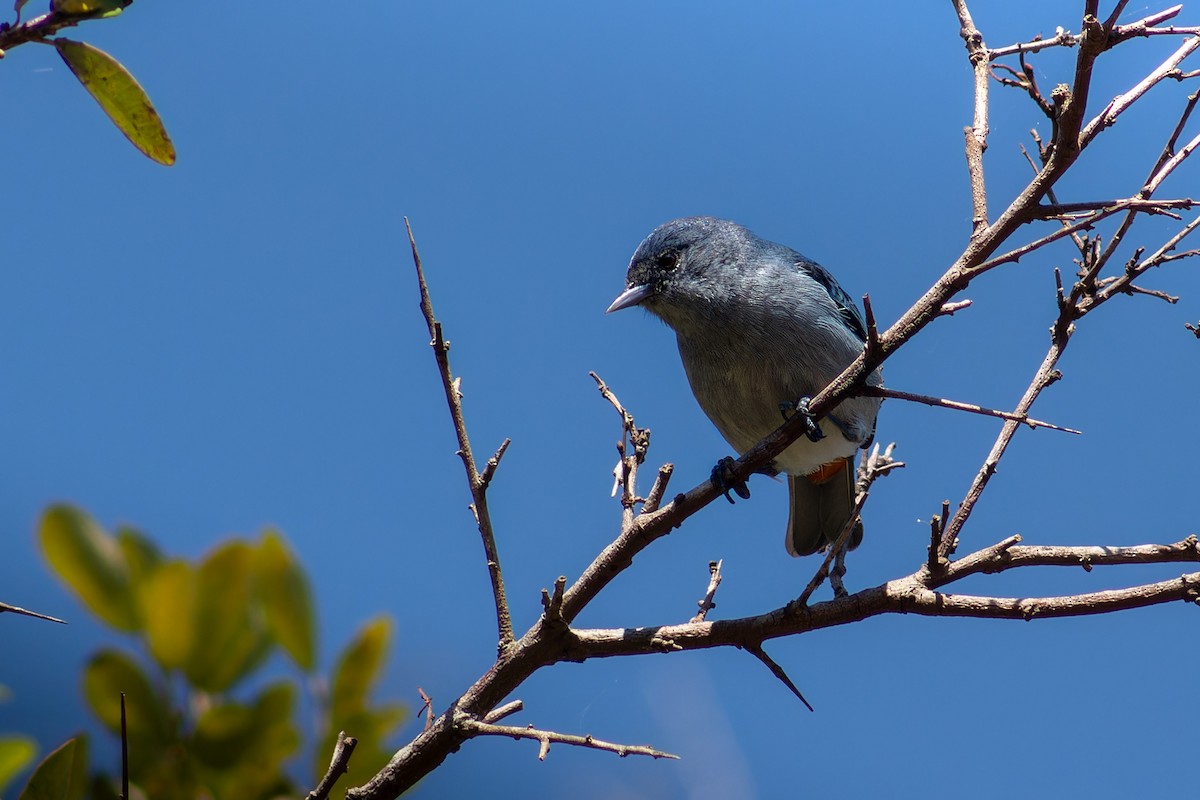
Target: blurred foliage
202, 629
15, 754
62, 775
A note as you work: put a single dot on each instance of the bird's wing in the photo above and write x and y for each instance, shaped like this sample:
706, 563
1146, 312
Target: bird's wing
847, 308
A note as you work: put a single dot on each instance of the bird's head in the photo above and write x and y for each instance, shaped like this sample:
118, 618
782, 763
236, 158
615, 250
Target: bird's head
680, 264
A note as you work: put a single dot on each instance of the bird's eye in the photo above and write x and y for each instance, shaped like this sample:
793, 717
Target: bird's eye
667, 261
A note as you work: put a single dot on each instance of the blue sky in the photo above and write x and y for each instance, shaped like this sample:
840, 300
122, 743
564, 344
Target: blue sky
235, 342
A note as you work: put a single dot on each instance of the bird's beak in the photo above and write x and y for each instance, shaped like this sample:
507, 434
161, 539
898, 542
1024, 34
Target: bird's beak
630, 297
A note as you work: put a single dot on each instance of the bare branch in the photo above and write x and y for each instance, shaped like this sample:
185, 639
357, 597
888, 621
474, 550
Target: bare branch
1086, 222
551, 640
1008, 555
909, 595
935, 563
757, 651
27, 613
872, 343
1063, 38
552, 603
1114, 16
342, 750
473, 727
658, 489
1059, 210
880, 391
948, 309
426, 708
823, 571
1046, 375
625, 473
489, 469
475, 481
706, 603
1119, 104
506, 710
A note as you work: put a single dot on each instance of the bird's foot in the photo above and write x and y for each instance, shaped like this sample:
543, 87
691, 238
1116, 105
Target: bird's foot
723, 482
811, 429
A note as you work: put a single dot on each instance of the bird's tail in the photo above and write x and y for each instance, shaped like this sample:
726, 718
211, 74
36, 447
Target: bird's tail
821, 504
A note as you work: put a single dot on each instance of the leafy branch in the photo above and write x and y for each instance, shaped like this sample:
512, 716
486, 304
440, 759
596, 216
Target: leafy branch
109, 83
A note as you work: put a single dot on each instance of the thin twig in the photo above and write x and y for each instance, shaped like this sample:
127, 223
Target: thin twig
625, 472
124, 752
658, 489
39, 29
506, 710
872, 343
1063, 38
757, 651
474, 727
976, 135
1009, 554
948, 309
342, 750
426, 708
929, 400
1121, 103
714, 580
552, 603
823, 571
934, 562
27, 613
476, 482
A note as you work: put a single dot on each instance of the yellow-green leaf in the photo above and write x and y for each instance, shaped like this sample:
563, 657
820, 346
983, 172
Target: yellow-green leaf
88, 8
169, 605
233, 636
142, 556
91, 563
62, 775
259, 735
358, 667
106, 676
15, 754
283, 588
121, 97
223, 732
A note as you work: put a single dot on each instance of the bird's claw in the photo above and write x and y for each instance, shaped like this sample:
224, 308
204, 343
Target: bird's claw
723, 483
811, 429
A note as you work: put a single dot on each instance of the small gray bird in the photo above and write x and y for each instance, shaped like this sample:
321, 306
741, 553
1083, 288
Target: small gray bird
760, 327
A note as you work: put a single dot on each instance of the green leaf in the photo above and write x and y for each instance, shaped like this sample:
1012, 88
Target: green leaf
358, 667
141, 555
15, 754
223, 732
91, 563
121, 97
106, 676
62, 775
234, 638
284, 591
228, 735
357, 670
88, 8
169, 605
